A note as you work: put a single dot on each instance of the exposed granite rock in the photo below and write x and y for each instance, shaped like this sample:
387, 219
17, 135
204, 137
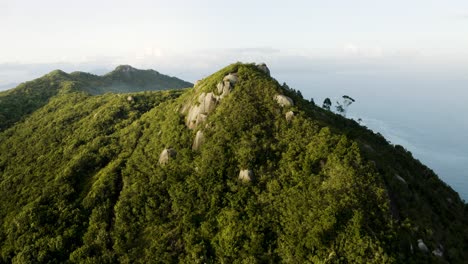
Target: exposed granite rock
437, 252
207, 102
289, 116
264, 68
231, 77
198, 113
398, 177
199, 139
246, 175
422, 246
283, 100
166, 155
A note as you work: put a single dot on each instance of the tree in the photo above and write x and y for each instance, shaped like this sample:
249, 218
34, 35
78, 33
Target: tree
342, 107
327, 104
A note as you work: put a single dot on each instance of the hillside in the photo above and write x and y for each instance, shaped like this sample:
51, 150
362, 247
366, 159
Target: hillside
237, 169
30, 96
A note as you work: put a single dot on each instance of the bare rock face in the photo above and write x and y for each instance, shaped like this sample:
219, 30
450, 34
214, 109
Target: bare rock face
422, 246
398, 177
192, 116
207, 102
283, 100
231, 77
437, 252
246, 175
166, 155
263, 68
223, 89
198, 113
199, 139
289, 116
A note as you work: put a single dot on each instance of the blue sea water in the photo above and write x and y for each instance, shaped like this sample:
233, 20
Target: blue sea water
427, 114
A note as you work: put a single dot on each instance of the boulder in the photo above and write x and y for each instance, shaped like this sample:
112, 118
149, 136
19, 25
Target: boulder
199, 139
246, 175
398, 177
422, 246
223, 89
130, 98
166, 155
263, 68
231, 77
283, 100
289, 116
198, 113
437, 252
207, 103
220, 87
192, 116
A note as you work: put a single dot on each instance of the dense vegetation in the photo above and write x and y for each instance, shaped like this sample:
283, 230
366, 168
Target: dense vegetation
80, 182
17, 103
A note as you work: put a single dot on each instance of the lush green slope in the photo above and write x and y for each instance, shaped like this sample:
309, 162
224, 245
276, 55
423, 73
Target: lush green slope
28, 97
81, 181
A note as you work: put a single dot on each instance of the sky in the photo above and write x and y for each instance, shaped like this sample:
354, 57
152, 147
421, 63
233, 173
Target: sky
406, 62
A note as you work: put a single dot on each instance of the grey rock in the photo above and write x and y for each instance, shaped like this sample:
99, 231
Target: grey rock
198, 113
231, 77
246, 175
199, 139
192, 116
264, 68
166, 155
220, 87
398, 177
437, 252
422, 246
289, 116
283, 100
207, 103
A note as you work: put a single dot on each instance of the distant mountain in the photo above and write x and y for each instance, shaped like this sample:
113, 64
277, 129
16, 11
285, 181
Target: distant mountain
29, 96
237, 169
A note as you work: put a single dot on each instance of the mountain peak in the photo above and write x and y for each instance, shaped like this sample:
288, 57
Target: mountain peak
239, 167
125, 68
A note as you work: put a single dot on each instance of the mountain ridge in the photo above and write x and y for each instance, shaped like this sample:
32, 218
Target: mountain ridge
237, 169
29, 96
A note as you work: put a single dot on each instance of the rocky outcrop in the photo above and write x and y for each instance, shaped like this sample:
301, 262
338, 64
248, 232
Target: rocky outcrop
289, 116
398, 177
283, 100
223, 89
422, 246
263, 68
246, 175
198, 141
231, 77
166, 155
197, 113
437, 252
207, 102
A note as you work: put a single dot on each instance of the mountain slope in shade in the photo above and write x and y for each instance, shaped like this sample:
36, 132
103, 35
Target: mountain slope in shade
29, 96
238, 169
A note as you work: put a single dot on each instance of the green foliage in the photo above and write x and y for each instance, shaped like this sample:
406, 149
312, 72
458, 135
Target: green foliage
15, 104
80, 182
